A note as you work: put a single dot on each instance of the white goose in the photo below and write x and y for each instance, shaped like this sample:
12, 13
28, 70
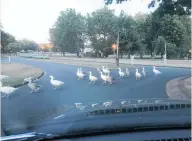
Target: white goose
156, 72
103, 77
143, 72
3, 77
127, 72
105, 70
137, 75
121, 74
92, 78
6, 90
80, 69
33, 86
56, 83
80, 74
110, 79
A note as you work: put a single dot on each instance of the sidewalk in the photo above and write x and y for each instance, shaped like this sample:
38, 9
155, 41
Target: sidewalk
171, 63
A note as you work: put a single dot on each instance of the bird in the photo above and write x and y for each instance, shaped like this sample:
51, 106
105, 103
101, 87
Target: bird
105, 70
143, 72
33, 86
92, 78
2, 77
103, 77
156, 72
80, 74
110, 79
7, 90
80, 69
56, 83
127, 72
121, 74
137, 74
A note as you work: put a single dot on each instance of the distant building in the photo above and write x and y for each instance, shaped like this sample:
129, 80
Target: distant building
45, 46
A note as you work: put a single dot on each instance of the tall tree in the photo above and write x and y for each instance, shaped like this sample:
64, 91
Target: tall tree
100, 29
6, 38
68, 33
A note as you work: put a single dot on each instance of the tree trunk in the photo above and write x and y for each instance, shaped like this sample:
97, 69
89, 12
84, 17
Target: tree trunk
63, 53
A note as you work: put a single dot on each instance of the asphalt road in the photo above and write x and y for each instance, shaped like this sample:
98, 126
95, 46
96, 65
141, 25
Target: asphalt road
29, 108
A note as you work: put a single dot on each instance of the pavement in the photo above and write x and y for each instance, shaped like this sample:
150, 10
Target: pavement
156, 62
26, 108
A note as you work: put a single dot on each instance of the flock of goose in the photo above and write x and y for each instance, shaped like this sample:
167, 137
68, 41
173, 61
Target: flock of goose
103, 71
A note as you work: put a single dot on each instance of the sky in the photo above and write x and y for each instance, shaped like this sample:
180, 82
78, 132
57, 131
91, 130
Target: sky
31, 19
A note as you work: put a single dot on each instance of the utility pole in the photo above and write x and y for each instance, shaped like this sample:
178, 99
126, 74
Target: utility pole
117, 47
165, 55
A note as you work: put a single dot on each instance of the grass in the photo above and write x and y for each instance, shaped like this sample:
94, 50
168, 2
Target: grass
17, 72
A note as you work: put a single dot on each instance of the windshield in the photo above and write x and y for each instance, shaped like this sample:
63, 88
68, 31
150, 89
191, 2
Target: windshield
59, 58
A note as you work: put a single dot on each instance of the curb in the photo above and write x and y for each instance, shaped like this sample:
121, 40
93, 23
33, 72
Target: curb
175, 89
22, 84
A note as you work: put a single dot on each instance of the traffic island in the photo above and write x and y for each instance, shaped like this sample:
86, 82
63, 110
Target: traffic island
17, 72
179, 88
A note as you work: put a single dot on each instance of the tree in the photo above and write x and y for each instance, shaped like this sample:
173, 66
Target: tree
101, 29
180, 7
176, 30
6, 38
22, 45
68, 33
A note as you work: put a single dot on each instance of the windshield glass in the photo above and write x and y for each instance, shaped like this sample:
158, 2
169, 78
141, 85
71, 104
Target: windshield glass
62, 57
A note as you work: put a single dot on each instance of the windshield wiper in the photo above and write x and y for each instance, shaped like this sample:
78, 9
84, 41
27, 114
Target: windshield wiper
28, 136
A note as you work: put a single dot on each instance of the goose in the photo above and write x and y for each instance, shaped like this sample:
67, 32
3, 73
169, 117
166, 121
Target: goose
105, 70
121, 74
80, 69
127, 72
33, 86
7, 90
143, 72
2, 77
80, 74
92, 78
110, 79
56, 83
137, 74
103, 77
156, 72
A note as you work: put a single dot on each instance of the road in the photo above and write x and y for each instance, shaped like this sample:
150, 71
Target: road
27, 108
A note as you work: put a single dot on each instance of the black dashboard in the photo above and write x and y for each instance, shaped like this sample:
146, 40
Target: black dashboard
160, 135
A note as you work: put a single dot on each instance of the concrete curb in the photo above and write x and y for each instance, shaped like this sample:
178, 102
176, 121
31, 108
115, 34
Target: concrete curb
175, 89
22, 84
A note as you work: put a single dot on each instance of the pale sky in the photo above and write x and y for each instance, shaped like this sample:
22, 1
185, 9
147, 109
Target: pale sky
31, 19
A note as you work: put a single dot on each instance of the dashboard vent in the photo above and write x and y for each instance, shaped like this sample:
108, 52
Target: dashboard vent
133, 108
173, 139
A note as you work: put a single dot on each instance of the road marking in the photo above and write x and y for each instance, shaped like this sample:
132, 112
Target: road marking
59, 116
